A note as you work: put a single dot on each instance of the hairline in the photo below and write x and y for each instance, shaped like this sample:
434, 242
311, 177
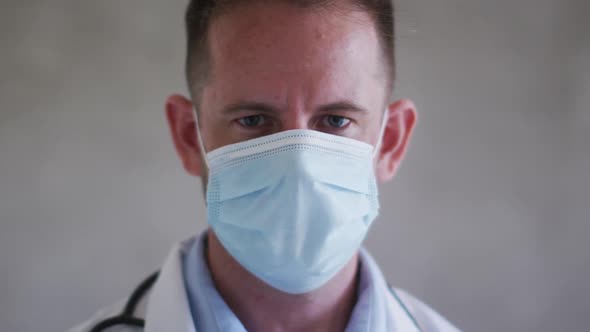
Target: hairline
197, 78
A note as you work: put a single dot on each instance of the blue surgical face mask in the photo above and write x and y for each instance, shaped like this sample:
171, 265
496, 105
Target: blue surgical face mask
293, 207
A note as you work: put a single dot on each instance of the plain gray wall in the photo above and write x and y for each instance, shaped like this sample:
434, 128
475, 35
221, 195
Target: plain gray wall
488, 220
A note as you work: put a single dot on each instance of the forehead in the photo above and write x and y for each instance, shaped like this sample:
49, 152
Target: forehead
278, 46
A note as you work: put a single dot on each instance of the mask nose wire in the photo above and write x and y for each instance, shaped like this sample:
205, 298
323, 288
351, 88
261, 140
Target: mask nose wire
200, 138
381, 132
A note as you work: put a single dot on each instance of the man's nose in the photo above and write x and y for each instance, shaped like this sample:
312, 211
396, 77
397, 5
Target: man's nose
295, 120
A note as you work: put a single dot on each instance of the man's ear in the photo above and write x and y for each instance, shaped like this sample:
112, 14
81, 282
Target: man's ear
180, 115
399, 126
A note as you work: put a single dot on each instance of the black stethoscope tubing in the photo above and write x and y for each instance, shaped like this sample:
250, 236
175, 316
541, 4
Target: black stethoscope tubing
126, 317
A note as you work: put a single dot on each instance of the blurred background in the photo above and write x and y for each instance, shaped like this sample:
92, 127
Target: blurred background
488, 220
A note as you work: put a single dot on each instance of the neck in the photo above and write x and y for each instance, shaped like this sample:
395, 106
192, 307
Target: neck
261, 307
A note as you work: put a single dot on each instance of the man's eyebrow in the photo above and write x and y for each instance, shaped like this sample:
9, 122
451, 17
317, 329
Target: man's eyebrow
248, 106
339, 106
343, 106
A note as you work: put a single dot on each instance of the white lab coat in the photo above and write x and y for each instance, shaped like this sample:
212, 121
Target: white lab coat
165, 307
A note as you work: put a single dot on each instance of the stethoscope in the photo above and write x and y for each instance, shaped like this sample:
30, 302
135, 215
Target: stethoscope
126, 317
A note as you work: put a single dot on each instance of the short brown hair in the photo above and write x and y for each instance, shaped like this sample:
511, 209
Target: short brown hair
199, 14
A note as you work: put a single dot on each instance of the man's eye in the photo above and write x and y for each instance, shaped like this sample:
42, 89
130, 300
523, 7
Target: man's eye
252, 121
336, 121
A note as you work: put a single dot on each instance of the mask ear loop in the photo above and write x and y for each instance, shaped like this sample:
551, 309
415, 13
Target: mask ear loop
200, 138
381, 132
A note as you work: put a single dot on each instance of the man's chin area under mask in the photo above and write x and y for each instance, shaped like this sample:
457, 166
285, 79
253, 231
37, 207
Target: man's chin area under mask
224, 268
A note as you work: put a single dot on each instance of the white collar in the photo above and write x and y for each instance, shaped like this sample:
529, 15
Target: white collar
168, 308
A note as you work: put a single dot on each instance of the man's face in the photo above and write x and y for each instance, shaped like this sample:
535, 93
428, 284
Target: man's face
276, 67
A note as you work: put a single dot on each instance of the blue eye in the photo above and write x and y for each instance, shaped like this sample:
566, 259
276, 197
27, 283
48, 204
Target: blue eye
336, 121
252, 121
